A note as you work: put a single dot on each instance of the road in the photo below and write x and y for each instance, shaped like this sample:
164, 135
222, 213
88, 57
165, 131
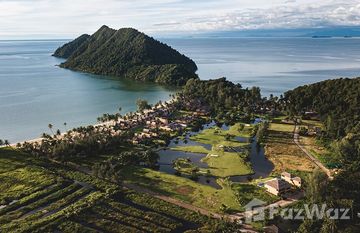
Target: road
310, 156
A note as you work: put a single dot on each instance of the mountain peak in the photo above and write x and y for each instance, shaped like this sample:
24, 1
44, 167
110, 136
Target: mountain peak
128, 53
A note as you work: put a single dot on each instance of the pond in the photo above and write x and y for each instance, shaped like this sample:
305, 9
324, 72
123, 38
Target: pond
262, 167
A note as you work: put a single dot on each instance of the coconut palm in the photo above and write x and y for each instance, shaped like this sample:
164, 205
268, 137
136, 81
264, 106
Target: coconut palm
6, 142
65, 124
50, 126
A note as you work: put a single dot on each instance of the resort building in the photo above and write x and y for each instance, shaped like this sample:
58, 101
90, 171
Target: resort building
277, 186
291, 179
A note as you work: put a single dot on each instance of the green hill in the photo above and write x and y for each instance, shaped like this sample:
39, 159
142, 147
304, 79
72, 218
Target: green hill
128, 53
67, 49
337, 101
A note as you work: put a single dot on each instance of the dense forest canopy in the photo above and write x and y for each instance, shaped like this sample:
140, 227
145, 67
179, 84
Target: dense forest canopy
222, 95
338, 104
127, 53
337, 101
67, 49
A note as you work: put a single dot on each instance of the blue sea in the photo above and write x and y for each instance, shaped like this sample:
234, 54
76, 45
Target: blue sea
34, 91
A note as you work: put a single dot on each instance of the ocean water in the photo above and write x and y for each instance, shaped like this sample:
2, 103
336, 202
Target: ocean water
35, 92
273, 64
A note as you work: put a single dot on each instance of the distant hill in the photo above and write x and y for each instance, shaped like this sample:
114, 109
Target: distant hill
298, 32
337, 101
334, 32
127, 53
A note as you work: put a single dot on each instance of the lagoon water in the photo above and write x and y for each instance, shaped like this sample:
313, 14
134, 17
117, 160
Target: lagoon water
35, 92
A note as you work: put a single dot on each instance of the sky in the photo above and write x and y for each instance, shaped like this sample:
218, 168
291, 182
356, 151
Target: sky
70, 18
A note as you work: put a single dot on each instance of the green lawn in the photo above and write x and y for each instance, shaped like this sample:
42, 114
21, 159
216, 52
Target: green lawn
222, 164
183, 188
215, 136
218, 136
192, 149
281, 127
227, 164
235, 130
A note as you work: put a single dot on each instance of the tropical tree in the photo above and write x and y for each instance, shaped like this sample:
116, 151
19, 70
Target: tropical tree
50, 126
316, 186
6, 142
142, 104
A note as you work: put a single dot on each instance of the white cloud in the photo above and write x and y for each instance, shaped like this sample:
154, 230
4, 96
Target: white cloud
68, 18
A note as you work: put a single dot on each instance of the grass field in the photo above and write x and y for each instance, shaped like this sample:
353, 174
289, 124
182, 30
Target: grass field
192, 149
203, 196
216, 136
318, 151
281, 149
236, 130
221, 163
227, 164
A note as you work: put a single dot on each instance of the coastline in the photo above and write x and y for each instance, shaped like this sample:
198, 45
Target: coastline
106, 124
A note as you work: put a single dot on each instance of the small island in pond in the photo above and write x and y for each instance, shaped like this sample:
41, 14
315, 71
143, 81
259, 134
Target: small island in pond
127, 53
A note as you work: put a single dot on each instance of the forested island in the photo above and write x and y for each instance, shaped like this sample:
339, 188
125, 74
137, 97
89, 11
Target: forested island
127, 53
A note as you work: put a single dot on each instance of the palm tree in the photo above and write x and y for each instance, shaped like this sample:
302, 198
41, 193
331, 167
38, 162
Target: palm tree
6, 142
1, 142
50, 127
65, 124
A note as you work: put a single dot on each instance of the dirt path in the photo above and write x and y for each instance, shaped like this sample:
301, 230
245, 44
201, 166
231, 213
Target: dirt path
310, 156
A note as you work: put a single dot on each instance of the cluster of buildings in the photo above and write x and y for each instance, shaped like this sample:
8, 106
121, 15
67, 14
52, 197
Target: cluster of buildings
282, 185
157, 120
153, 122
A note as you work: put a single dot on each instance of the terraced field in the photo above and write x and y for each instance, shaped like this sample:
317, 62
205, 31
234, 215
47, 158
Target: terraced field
41, 204
19, 176
53, 198
127, 216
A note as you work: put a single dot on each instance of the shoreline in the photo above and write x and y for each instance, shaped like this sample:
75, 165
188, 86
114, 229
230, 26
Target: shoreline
107, 123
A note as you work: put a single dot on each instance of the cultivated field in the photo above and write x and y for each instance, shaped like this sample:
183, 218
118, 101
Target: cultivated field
40, 196
281, 149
